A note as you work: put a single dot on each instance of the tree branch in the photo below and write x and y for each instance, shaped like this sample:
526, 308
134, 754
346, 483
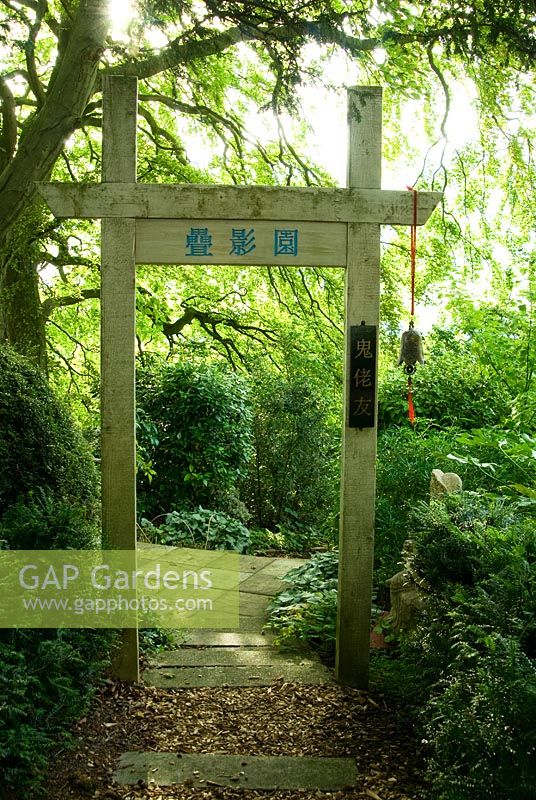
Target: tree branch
70, 87
49, 305
213, 319
208, 44
33, 77
177, 52
8, 133
157, 132
444, 86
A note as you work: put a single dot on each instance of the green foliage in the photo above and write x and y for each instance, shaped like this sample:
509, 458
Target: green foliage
455, 537
453, 389
42, 521
194, 431
468, 671
153, 640
210, 530
501, 336
43, 457
295, 538
308, 609
294, 471
47, 679
482, 727
505, 459
406, 458
48, 499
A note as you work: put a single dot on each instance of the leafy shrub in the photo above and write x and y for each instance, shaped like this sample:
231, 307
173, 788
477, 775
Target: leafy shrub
505, 460
501, 338
296, 538
453, 389
468, 668
153, 640
43, 522
406, 459
308, 609
194, 435
455, 538
481, 723
48, 499
210, 530
46, 682
294, 472
40, 448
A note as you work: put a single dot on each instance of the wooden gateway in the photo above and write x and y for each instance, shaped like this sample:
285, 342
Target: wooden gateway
184, 224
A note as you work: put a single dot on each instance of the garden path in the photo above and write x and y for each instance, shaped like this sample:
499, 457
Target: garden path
243, 658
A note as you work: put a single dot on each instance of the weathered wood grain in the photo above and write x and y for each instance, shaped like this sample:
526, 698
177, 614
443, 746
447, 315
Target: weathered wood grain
358, 475
164, 241
118, 336
153, 201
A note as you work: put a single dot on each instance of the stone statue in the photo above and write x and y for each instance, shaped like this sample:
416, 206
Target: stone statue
407, 590
442, 483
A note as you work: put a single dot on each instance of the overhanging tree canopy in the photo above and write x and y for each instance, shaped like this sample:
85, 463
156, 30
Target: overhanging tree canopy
53, 54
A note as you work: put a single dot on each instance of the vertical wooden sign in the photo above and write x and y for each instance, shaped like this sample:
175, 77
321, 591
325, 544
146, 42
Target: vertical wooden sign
363, 376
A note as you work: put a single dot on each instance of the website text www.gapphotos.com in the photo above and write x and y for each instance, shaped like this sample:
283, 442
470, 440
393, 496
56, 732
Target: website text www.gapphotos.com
160, 587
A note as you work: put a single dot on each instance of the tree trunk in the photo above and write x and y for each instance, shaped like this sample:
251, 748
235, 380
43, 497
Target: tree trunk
41, 141
22, 322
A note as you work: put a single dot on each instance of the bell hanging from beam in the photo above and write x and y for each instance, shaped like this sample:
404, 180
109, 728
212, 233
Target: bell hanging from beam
411, 350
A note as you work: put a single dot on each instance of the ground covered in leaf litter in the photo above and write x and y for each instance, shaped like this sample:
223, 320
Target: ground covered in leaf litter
284, 719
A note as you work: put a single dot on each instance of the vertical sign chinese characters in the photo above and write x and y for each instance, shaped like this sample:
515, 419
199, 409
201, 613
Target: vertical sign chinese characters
362, 376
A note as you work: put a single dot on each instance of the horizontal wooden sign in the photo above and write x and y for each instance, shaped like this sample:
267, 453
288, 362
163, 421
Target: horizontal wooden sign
249, 242
362, 365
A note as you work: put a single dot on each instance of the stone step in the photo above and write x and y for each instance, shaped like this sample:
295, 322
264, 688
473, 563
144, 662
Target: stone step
312, 674
230, 656
203, 770
210, 637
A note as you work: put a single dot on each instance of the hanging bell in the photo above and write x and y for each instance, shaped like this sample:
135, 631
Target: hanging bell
411, 351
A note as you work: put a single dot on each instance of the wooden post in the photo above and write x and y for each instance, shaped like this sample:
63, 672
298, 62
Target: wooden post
358, 477
118, 336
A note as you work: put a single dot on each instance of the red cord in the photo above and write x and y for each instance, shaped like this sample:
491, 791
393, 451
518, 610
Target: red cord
413, 250
411, 408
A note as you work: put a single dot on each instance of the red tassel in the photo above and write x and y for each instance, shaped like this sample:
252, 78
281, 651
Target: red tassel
411, 409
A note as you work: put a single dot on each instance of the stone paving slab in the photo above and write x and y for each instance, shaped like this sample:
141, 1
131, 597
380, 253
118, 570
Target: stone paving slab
314, 674
261, 583
230, 656
254, 563
252, 624
209, 637
252, 605
280, 566
203, 770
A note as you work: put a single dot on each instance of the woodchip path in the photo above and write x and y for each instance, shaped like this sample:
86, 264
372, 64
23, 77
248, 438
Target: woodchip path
246, 657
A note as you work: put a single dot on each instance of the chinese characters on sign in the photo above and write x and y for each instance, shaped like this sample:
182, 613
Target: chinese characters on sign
241, 241
285, 242
198, 242
247, 242
362, 365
